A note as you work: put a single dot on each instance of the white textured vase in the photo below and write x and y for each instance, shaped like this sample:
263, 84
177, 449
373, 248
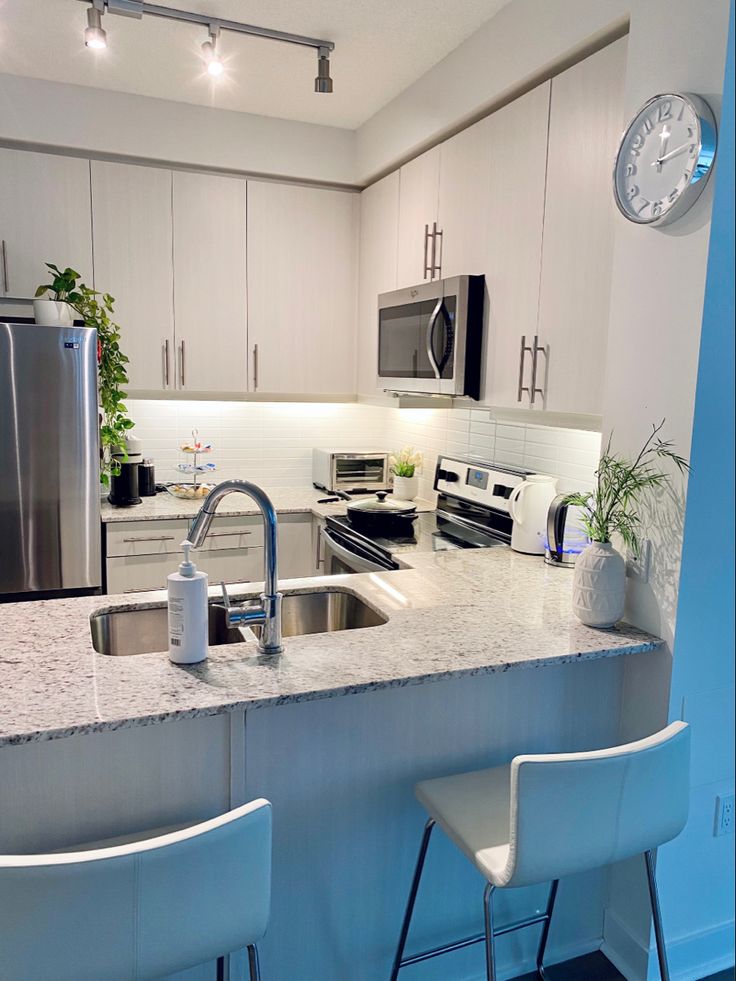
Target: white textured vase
52, 313
599, 585
406, 488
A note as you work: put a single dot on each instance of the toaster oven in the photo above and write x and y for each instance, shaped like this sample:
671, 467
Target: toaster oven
339, 470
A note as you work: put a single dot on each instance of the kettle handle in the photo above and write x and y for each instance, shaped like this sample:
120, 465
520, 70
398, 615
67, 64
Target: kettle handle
556, 518
515, 496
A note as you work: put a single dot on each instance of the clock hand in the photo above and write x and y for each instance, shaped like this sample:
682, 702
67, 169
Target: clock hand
664, 139
672, 153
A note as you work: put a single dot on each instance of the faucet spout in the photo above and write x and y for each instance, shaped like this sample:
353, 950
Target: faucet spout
270, 642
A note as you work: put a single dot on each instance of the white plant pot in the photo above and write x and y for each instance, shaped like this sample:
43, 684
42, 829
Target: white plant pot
599, 585
52, 313
406, 488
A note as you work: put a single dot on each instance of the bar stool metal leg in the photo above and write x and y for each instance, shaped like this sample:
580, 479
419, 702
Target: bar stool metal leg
412, 898
253, 965
545, 930
664, 971
488, 924
220, 969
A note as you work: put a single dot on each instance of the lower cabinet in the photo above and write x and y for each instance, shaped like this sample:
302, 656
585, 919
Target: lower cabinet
141, 554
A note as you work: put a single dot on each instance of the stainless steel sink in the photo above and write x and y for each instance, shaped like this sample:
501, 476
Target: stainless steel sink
123, 632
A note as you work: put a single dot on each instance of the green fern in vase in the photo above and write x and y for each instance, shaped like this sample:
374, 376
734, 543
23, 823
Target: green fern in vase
613, 507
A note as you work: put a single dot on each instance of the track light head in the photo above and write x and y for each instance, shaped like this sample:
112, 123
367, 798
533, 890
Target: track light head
212, 60
323, 82
95, 35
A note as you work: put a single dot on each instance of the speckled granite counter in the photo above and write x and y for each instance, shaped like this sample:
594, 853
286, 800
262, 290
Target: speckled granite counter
452, 614
286, 500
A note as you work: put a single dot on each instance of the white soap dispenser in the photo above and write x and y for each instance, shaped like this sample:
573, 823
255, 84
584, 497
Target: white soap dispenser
188, 633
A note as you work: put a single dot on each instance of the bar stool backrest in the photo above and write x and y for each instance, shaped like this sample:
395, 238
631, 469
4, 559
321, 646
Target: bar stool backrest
141, 910
576, 811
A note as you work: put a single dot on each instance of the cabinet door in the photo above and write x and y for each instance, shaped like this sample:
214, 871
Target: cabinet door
515, 217
44, 217
302, 270
586, 119
418, 194
209, 283
379, 216
131, 208
465, 181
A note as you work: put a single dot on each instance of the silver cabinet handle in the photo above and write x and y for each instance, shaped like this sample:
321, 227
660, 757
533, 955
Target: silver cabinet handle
227, 534
255, 367
427, 270
537, 349
154, 538
436, 267
6, 281
182, 375
318, 558
525, 349
166, 363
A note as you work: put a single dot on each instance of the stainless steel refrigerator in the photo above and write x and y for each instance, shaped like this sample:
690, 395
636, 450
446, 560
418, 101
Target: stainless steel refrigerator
49, 461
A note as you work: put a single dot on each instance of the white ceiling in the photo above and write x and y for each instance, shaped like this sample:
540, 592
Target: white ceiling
382, 46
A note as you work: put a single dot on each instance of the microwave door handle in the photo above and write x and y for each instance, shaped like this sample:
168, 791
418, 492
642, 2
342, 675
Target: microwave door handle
430, 337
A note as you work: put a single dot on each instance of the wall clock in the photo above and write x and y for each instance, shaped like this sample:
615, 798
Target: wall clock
664, 159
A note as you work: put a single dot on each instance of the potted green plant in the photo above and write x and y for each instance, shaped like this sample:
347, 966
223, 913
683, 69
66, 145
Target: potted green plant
56, 309
404, 465
95, 310
613, 508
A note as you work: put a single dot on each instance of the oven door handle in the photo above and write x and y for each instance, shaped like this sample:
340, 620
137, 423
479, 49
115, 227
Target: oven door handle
463, 522
357, 557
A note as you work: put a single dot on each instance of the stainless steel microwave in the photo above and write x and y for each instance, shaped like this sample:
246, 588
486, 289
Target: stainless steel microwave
430, 337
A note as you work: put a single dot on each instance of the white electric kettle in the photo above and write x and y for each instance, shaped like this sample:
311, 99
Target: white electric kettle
529, 505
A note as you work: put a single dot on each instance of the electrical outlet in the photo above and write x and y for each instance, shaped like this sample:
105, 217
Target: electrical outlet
638, 568
724, 823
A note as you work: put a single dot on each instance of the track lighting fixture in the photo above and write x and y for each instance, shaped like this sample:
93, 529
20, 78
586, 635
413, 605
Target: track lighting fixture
94, 33
96, 37
323, 82
209, 52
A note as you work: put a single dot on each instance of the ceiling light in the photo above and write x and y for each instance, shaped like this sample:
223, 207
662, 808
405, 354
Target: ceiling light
323, 82
209, 52
94, 34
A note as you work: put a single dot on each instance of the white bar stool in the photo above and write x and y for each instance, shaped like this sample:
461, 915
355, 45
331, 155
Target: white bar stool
548, 816
139, 910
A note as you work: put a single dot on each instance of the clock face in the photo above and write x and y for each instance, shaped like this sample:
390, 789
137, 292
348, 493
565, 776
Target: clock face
664, 159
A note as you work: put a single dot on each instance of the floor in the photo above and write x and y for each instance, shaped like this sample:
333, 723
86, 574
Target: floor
596, 967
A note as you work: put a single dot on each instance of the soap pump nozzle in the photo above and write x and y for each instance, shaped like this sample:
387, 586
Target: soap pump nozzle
187, 567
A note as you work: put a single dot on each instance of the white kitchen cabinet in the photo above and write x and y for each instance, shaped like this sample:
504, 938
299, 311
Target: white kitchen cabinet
44, 217
379, 216
209, 247
586, 120
131, 207
302, 280
514, 217
418, 211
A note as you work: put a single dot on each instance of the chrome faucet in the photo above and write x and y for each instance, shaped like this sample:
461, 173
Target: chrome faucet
269, 612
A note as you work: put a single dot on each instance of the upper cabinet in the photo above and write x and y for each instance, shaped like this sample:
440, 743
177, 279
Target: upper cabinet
133, 261
418, 242
44, 217
210, 283
379, 221
302, 283
586, 119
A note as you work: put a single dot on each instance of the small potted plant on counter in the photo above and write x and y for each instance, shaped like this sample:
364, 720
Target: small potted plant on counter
404, 466
599, 581
57, 308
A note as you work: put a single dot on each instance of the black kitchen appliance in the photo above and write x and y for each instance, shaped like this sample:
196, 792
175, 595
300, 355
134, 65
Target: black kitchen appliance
124, 486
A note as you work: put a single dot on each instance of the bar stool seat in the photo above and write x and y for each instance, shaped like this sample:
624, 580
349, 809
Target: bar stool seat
546, 816
473, 809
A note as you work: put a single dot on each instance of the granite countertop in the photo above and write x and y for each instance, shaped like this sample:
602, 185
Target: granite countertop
451, 614
286, 500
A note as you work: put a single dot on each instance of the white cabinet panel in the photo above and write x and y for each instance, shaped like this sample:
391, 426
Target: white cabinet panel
586, 119
131, 207
379, 216
210, 283
44, 217
517, 136
418, 203
134, 573
465, 180
302, 272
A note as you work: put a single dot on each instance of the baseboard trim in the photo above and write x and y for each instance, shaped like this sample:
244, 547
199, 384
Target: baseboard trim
696, 955
556, 955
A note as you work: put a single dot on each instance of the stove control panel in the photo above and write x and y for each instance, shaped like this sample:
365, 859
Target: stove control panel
480, 483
